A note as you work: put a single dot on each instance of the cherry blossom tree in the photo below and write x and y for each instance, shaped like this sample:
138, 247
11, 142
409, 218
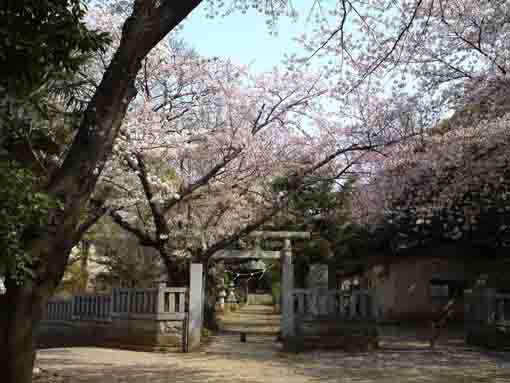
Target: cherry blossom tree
193, 166
449, 186
390, 34
198, 177
447, 52
48, 242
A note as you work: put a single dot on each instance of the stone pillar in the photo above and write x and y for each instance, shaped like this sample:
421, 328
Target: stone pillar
317, 281
160, 300
287, 325
195, 307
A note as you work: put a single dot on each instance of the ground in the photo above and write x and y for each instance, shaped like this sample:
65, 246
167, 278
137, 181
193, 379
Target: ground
402, 359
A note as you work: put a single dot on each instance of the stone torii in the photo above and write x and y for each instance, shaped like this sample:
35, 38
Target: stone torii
285, 256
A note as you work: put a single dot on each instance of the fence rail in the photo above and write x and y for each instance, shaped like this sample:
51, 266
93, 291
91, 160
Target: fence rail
134, 302
161, 303
334, 304
59, 310
91, 307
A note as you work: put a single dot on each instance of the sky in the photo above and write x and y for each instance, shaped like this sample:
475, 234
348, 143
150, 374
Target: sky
244, 38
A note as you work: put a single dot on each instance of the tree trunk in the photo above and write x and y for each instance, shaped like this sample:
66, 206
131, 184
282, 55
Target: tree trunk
21, 307
21, 310
210, 320
177, 271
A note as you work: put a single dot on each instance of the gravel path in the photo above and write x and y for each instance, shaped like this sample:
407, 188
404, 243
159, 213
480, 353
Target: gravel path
225, 359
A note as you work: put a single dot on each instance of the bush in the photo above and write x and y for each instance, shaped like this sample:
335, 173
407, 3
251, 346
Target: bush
276, 291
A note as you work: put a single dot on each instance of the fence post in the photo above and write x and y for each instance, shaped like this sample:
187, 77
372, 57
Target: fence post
288, 329
363, 305
160, 299
74, 306
195, 307
353, 303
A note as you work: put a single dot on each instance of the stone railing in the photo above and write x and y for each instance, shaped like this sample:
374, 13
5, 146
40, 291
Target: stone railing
487, 308
311, 303
156, 318
91, 307
59, 310
161, 303
487, 319
322, 318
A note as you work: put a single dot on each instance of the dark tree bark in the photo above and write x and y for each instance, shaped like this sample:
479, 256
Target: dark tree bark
49, 245
20, 312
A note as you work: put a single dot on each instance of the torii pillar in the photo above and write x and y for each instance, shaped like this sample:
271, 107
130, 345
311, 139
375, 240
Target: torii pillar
288, 330
287, 324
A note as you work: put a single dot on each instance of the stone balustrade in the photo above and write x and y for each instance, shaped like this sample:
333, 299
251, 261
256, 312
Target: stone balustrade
156, 303
487, 318
59, 310
143, 318
319, 302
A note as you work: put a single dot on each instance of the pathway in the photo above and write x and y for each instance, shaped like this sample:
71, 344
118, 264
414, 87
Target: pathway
259, 360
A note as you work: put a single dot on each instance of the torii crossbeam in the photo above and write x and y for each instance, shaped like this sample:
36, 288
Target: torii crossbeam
258, 253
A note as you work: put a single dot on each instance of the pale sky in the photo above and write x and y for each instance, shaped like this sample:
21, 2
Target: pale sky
244, 38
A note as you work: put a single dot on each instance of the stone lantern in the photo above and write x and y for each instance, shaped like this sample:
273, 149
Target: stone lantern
231, 298
220, 304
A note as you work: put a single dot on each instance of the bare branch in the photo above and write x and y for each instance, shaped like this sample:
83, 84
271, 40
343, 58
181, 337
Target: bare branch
144, 238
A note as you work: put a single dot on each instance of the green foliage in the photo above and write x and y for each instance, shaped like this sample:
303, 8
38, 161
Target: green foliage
276, 292
43, 39
130, 265
324, 208
20, 206
315, 196
75, 280
104, 230
45, 43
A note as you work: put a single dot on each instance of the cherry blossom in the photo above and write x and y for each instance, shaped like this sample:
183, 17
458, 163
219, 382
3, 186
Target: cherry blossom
449, 185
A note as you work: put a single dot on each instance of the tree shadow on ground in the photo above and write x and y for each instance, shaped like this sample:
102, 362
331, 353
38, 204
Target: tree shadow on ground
74, 371
256, 362
404, 358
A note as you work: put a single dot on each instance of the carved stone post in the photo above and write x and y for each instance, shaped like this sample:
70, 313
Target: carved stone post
288, 330
196, 307
317, 282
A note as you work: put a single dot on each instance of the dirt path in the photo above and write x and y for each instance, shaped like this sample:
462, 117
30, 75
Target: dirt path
260, 360
251, 319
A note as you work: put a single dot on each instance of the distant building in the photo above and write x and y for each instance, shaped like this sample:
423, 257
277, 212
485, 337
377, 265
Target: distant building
414, 287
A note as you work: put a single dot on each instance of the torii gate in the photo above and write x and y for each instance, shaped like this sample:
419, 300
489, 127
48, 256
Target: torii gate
287, 324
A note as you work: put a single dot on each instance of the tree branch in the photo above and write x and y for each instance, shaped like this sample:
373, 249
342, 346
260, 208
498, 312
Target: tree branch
144, 238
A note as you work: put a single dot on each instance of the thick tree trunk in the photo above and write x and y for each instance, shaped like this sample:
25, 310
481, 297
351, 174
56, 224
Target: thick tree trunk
210, 320
21, 310
177, 272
